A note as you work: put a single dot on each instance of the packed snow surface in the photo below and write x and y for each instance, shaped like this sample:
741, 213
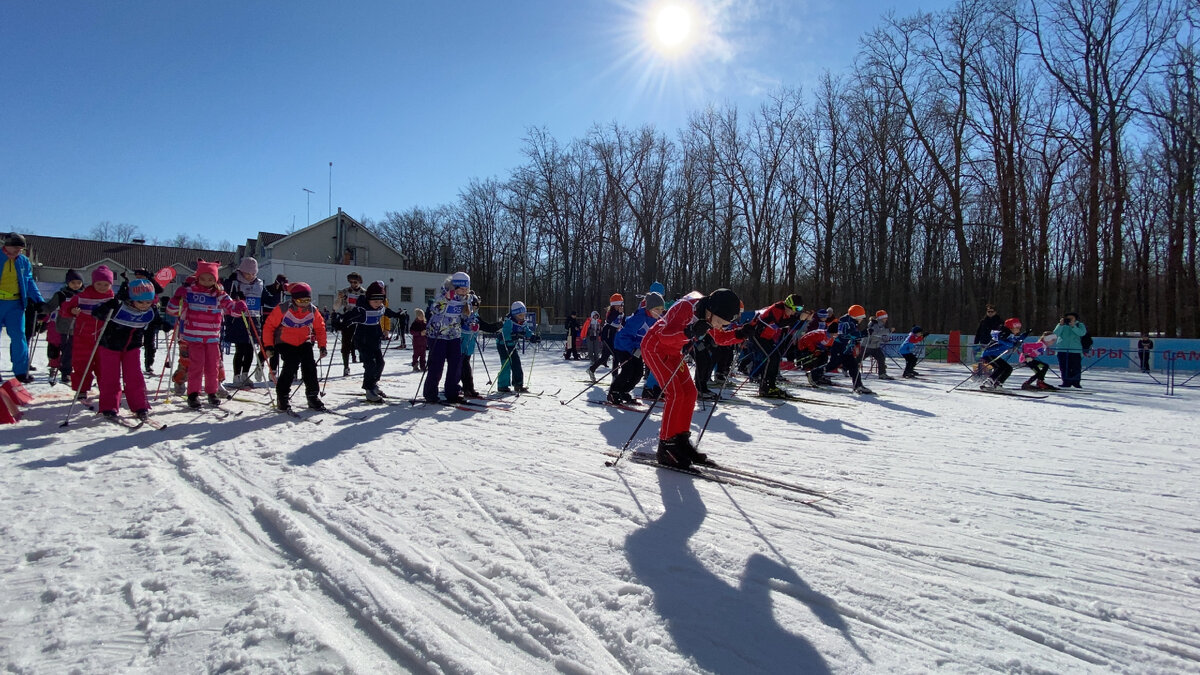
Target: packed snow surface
963, 532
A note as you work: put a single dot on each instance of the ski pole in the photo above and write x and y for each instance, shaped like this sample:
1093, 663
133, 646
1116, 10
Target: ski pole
87, 368
589, 387
482, 349
973, 373
172, 344
262, 353
662, 390
503, 365
337, 335
532, 361
420, 382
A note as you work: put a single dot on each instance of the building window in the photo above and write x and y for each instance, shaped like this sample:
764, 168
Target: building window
428, 295
406, 294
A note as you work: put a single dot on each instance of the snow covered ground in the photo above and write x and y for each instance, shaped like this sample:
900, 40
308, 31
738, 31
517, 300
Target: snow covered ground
965, 533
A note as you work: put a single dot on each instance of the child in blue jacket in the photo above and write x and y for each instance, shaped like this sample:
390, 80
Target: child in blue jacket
627, 349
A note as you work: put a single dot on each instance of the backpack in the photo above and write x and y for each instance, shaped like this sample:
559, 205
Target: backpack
1085, 341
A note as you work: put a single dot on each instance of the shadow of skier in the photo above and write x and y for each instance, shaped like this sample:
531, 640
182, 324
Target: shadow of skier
724, 629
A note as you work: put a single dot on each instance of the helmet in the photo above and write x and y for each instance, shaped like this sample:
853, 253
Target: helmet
615, 299
14, 239
724, 303
793, 302
1013, 324
856, 312
881, 314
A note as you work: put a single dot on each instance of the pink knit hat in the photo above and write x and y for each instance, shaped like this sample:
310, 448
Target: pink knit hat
102, 273
212, 268
249, 267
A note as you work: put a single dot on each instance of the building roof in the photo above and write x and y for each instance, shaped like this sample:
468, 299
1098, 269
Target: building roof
267, 240
81, 253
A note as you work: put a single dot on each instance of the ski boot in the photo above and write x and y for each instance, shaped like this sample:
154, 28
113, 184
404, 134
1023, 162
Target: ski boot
684, 443
772, 392
1046, 387
193, 400
373, 396
315, 403
670, 454
214, 400
860, 389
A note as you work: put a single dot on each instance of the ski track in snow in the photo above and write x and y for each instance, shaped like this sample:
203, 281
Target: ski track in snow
967, 533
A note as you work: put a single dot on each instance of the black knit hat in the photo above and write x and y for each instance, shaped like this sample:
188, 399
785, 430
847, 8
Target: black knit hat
376, 291
72, 275
14, 239
724, 303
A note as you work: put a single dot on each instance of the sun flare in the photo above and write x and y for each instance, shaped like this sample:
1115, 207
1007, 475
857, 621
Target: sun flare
672, 27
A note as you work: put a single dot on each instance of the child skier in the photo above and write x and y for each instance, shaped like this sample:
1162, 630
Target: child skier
289, 332
200, 306
58, 348
691, 317
628, 351
875, 342
470, 340
366, 318
347, 299
120, 347
511, 332
612, 323
911, 350
1007, 338
244, 285
87, 329
1029, 356
444, 331
420, 342
771, 324
843, 353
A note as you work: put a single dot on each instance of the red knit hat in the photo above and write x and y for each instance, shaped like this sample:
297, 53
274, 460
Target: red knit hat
300, 290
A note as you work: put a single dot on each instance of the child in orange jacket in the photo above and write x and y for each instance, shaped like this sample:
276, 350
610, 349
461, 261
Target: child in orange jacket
290, 331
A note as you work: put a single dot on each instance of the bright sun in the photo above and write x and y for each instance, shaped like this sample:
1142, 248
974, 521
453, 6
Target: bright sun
672, 26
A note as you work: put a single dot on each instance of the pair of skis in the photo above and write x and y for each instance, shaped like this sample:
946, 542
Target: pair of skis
726, 475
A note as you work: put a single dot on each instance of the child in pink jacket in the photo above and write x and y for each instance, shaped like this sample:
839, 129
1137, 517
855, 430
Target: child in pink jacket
201, 306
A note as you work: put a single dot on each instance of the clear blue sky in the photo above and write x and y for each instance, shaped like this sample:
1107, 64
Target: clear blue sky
210, 117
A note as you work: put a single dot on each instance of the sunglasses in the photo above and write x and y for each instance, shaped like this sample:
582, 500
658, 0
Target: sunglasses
303, 301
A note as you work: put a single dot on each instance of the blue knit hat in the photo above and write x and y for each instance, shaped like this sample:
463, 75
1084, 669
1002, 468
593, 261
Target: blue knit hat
141, 290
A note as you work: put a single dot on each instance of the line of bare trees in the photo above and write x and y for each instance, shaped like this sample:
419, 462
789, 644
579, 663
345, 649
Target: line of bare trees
1041, 155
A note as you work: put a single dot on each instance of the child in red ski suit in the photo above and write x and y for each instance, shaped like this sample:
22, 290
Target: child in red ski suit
690, 318
87, 328
120, 350
200, 306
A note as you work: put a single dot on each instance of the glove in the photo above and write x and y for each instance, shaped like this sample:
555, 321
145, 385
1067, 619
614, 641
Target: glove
535, 338
324, 353
742, 332
335, 321
37, 306
105, 308
269, 351
239, 308
697, 329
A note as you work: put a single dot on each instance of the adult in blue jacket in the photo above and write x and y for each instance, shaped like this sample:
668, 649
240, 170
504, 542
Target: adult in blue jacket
17, 291
1070, 331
